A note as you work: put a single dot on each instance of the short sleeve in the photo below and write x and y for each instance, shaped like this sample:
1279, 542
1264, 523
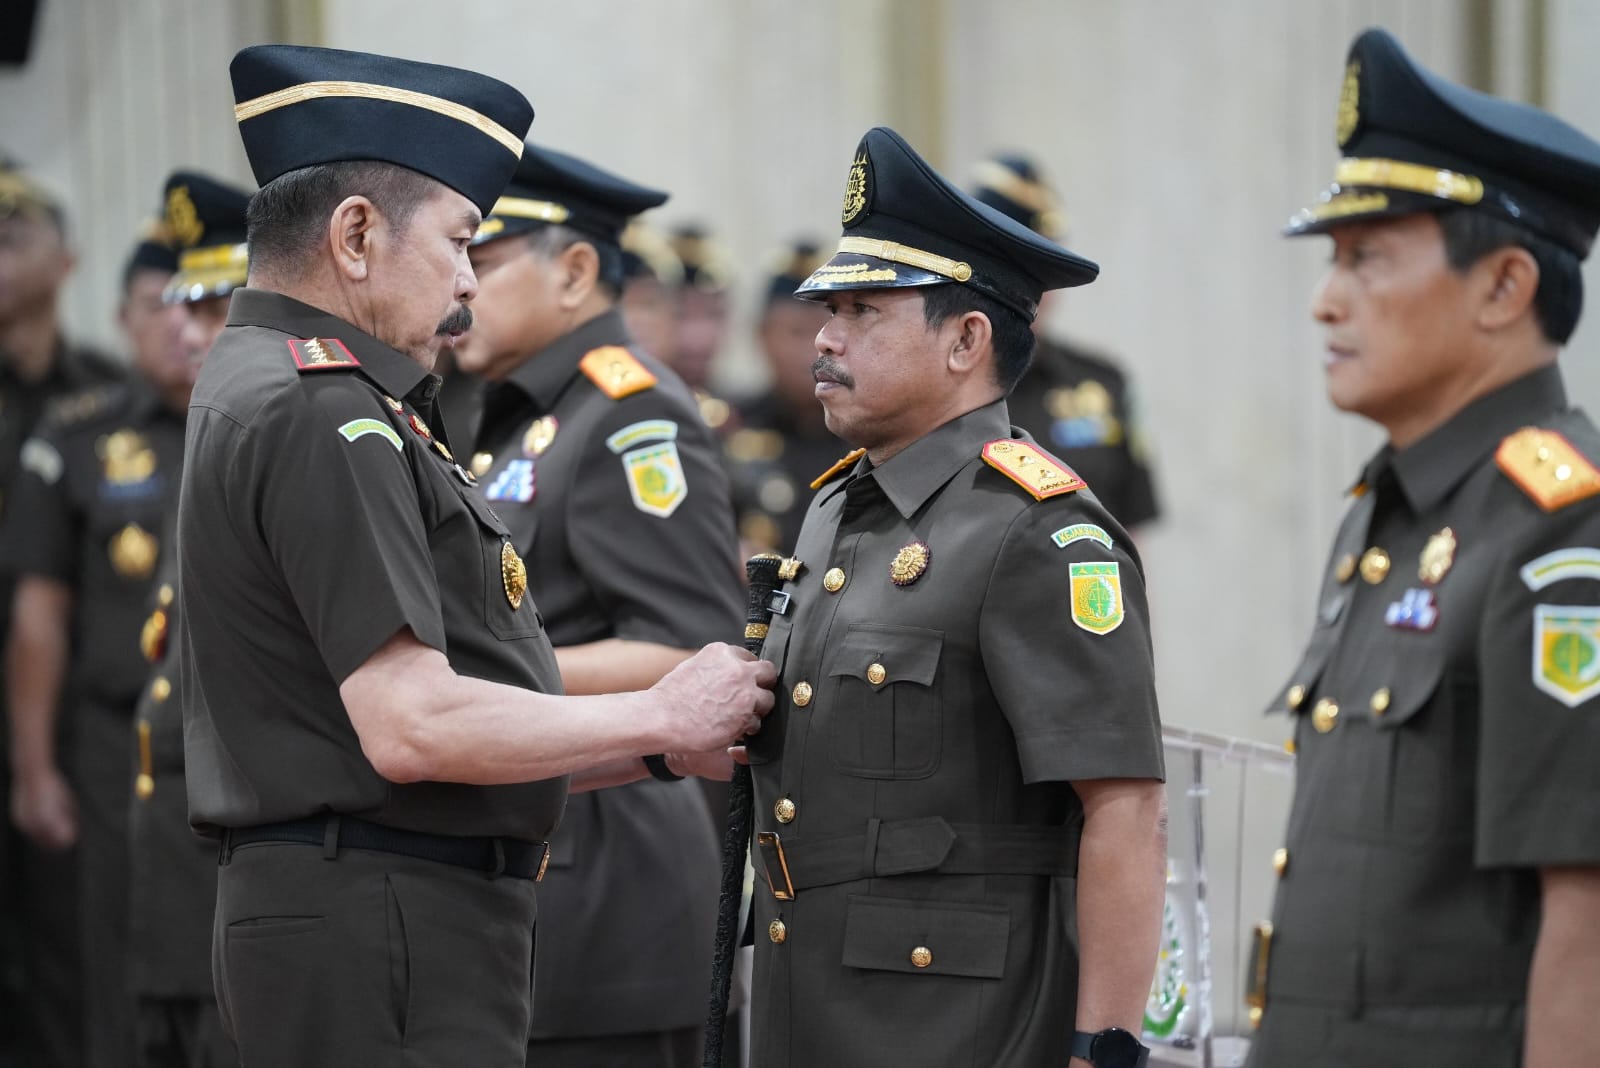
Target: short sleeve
1065, 640
340, 511
43, 529
1538, 651
651, 527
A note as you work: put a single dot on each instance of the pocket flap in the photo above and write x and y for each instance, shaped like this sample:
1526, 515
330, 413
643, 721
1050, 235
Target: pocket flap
926, 937
485, 514
878, 654
1411, 687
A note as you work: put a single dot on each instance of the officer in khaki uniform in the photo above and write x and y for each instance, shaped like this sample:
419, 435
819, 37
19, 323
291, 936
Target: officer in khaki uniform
1074, 401
40, 1020
373, 724
958, 805
172, 873
1439, 890
99, 478
594, 454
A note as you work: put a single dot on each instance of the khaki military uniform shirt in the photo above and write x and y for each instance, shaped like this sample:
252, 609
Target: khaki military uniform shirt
1445, 724
953, 654
621, 509
320, 515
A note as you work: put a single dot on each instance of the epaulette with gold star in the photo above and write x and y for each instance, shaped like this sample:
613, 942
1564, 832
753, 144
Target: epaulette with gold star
322, 354
616, 371
1031, 468
841, 465
1547, 467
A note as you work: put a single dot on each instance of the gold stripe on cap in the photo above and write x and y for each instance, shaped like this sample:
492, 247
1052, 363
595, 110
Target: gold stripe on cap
911, 257
299, 94
1344, 204
1409, 178
523, 208
218, 257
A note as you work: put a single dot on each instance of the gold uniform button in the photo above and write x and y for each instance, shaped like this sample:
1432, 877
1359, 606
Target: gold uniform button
801, 694
164, 597
784, 810
1345, 569
921, 957
1380, 701
1280, 862
160, 689
1296, 695
876, 674
1374, 565
833, 579
1325, 715
777, 932
1288, 746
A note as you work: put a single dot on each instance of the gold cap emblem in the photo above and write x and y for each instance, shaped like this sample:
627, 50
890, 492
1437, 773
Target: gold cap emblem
855, 191
182, 220
514, 574
1437, 556
909, 563
133, 552
1349, 104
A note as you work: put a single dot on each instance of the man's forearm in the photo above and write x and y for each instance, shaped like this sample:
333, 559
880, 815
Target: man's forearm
36, 670
616, 665
1566, 968
1122, 863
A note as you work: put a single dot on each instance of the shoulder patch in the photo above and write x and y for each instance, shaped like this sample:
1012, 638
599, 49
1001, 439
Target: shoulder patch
1547, 467
360, 428
616, 371
639, 433
322, 354
41, 458
1031, 468
841, 465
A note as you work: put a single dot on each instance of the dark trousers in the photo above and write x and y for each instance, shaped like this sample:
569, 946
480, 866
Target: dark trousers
365, 957
102, 778
42, 897
660, 1049
1294, 1035
183, 1033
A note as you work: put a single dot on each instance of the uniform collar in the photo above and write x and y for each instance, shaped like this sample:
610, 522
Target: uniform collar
915, 473
394, 372
546, 373
1428, 470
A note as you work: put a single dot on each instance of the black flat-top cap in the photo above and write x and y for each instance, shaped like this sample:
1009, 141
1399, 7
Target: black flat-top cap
791, 266
300, 106
1414, 142
1011, 183
905, 225
203, 219
554, 187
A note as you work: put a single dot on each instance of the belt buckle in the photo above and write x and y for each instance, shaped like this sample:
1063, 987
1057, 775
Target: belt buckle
1255, 991
776, 864
544, 862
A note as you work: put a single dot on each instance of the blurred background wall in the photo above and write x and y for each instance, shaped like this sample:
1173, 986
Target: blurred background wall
1181, 136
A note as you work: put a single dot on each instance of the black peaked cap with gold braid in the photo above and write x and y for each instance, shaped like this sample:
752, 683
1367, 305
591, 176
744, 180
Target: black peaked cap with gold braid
298, 106
554, 187
204, 221
905, 225
1414, 142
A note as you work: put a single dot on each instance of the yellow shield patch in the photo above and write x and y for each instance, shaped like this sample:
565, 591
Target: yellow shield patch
1096, 596
1566, 651
655, 478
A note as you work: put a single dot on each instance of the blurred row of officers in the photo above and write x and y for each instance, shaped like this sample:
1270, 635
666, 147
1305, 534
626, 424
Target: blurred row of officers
109, 894
404, 570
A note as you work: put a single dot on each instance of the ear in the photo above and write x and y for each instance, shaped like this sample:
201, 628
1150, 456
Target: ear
350, 236
579, 267
1511, 280
971, 343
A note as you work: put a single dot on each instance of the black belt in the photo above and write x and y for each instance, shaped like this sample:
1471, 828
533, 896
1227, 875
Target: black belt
493, 856
903, 847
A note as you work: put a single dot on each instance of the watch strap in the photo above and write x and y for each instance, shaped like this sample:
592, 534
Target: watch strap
657, 765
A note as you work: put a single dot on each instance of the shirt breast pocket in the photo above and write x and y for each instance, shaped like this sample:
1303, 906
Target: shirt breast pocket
885, 708
508, 606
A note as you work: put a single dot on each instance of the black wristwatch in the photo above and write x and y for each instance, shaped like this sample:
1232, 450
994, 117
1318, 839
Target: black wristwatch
657, 766
1111, 1048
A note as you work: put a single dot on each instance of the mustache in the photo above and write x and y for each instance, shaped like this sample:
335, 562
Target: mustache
826, 367
457, 322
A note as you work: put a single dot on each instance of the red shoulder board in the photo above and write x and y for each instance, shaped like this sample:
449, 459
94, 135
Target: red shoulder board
322, 354
615, 370
1031, 468
1547, 467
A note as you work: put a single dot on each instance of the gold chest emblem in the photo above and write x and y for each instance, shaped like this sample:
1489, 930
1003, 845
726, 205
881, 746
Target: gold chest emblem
126, 458
1349, 104
514, 574
855, 190
909, 563
1437, 556
133, 552
539, 436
